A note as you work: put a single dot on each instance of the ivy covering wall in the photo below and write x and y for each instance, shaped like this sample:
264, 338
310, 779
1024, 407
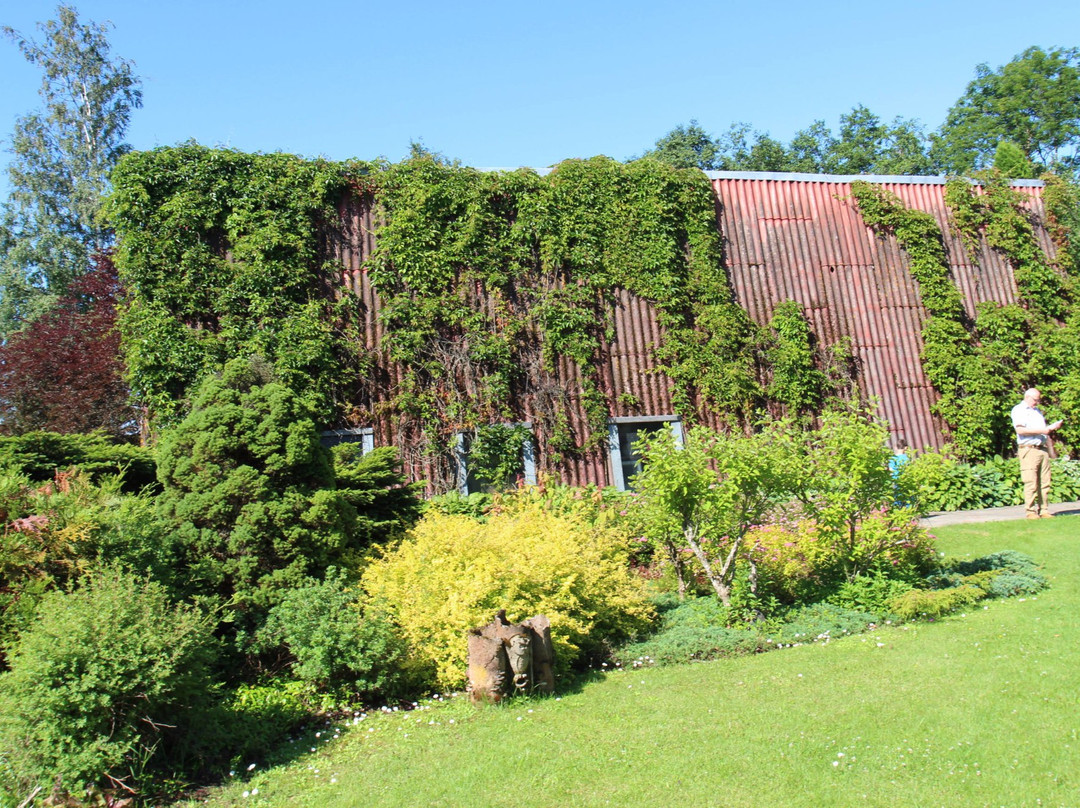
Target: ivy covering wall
980, 366
489, 282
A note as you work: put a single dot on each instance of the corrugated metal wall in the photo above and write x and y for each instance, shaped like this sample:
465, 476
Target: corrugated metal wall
794, 237
802, 239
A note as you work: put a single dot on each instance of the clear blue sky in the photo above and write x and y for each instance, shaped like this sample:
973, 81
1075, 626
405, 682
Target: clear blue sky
511, 83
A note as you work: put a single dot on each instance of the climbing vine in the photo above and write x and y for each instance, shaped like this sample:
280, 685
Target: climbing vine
978, 367
797, 381
223, 254
994, 210
950, 358
491, 281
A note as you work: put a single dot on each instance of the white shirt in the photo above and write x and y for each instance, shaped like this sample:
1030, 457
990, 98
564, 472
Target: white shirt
1029, 418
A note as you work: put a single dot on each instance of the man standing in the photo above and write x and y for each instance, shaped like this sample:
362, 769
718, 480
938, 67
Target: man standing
1033, 449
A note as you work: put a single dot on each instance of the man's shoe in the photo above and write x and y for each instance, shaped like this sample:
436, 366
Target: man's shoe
1033, 516
1046, 515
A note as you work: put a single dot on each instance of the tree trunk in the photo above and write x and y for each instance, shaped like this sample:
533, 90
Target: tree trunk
720, 582
679, 564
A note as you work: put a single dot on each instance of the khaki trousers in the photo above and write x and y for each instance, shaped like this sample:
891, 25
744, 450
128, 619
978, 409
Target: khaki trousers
1035, 474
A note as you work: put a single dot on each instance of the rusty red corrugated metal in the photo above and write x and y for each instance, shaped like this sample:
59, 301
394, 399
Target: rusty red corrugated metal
796, 237
800, 237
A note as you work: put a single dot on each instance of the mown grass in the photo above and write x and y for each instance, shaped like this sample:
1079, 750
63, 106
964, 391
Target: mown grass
980, 709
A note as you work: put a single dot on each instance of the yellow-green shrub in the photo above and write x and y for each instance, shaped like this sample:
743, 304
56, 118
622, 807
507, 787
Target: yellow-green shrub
452, 573
934, 602
794, 560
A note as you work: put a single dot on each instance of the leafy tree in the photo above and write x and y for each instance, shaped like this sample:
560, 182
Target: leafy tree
686, 147
62, 157
810, 149
335, 642
844, 484
866, 145
63, 371
710, 491
254, 497
742, 149
1033, 101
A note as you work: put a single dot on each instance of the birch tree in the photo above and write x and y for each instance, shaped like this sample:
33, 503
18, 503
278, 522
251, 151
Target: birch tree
62, 155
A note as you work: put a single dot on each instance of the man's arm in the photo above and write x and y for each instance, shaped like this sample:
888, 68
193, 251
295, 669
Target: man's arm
1026, 430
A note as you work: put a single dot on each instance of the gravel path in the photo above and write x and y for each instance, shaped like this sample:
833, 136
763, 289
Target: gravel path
992, 515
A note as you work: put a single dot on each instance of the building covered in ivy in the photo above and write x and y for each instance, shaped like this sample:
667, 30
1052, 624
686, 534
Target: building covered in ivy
496, 326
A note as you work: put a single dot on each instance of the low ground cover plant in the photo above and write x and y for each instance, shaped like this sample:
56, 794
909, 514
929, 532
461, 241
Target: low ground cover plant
699, 628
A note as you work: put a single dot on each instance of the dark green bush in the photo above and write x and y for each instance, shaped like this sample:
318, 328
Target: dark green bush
240, 726
105, 677
937, 482
334, 644
39, 455
259, 505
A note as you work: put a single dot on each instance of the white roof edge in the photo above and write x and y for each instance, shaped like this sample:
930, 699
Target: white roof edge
894, 179
794, 176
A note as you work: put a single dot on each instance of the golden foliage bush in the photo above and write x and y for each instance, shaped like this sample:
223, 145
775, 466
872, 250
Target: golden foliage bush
453, 573
794, 560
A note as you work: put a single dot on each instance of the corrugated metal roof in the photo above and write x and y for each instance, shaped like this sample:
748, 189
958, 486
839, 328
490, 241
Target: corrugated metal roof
879, 179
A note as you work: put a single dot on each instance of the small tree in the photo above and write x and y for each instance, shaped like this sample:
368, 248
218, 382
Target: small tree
845, 485
711, 490
63, 371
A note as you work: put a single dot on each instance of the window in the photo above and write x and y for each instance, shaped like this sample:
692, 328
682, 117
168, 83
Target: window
365, 436
623, 435
495, 457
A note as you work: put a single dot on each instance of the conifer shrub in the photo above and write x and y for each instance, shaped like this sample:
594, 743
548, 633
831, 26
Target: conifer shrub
39, 455
931, 603
453, 573
106, 677
257, 503
333, 642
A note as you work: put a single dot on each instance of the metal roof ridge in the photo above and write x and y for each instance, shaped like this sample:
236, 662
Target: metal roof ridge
893, 179
795, 176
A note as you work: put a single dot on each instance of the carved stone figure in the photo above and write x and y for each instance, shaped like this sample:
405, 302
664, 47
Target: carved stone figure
506, 658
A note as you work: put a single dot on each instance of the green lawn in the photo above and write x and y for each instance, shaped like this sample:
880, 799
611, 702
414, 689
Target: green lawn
979, 709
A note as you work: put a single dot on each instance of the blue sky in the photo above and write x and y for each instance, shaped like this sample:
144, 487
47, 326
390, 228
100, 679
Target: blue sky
512, 83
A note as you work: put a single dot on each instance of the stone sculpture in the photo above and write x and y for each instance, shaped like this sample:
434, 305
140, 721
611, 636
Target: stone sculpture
505, 658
